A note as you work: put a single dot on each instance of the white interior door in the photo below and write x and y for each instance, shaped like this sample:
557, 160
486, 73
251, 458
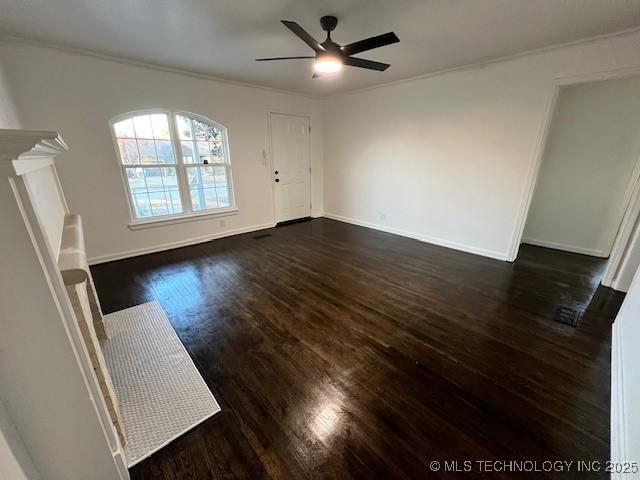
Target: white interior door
290, 143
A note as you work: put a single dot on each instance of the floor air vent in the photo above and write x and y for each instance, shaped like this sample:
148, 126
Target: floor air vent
260, 237
568, 316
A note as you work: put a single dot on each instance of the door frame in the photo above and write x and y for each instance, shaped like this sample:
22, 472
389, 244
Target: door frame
534, 171
272, 177
628, 217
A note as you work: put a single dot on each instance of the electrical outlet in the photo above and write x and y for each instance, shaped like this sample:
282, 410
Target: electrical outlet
383, 217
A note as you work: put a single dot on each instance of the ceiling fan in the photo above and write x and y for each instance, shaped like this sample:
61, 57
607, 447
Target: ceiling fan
330, 56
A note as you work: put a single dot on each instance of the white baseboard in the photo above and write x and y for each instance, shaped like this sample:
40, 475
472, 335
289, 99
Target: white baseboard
180, 243
566, 248
618, 408
423, 238
617, 284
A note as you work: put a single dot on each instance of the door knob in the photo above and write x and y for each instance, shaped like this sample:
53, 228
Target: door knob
276, 172
277, 179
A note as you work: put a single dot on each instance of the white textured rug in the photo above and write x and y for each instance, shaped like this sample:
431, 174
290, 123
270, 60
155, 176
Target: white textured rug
161, 393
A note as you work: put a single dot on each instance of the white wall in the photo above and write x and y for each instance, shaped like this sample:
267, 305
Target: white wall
584, 180
625, 380
449, 158
15, 462
77, 95
8, 114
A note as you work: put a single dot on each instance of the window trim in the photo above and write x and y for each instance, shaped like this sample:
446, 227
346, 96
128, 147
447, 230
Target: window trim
188, 214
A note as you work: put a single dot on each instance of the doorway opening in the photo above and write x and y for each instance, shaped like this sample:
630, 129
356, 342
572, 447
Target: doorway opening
584, 209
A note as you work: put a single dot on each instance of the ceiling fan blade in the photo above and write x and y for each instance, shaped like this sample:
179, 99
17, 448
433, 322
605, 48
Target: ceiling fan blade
303, 35
362, 63
370, 43
280, 58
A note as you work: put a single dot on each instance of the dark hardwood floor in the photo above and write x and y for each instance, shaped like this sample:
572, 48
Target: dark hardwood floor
337, 351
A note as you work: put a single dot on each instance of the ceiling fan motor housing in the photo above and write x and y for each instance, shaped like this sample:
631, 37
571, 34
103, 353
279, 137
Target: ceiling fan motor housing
328, 23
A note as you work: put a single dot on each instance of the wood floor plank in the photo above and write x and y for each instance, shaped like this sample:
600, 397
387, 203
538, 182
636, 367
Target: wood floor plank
338, 351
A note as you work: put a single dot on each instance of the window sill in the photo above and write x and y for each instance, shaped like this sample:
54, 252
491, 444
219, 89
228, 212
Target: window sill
160, 222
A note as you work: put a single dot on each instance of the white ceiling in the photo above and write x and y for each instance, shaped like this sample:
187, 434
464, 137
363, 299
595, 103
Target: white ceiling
223, 37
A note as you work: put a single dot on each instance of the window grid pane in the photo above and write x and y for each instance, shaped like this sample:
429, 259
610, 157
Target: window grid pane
201, 143
185, 129
208, 186
164, 152
129, 151
147, 149
154, 190
160, 126
142, 127
145, 139
188, 152
124, 129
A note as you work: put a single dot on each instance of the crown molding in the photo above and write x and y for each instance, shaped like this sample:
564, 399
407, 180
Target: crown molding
485, 63
24, 150
6, 38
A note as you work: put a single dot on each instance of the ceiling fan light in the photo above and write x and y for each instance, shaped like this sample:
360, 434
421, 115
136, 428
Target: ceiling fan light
328, 64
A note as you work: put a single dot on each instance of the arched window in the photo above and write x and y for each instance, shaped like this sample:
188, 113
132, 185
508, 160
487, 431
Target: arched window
174, 165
